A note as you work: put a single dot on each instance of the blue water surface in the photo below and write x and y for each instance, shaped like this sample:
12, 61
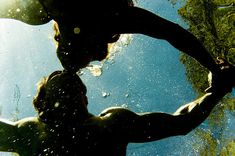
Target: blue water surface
144, 76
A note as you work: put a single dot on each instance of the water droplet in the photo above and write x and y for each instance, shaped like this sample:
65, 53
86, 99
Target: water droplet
57, 104
76, 30
124, 105
105, 94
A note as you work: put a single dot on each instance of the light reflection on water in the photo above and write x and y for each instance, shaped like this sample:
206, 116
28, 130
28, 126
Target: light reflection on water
144, 76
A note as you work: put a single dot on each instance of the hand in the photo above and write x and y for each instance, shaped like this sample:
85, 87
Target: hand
223, 80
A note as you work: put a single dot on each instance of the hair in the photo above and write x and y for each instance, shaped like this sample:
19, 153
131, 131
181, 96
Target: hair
60, 88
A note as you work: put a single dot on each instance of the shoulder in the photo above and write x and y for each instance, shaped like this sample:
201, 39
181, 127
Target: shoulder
31, 131
31, 124
27, 121
117, 113
119, 122
114, 110
16, 135
20, 123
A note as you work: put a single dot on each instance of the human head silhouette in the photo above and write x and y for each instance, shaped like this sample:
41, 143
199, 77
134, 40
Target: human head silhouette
61, 97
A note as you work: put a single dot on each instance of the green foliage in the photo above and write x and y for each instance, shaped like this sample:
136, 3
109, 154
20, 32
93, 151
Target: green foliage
196, 74
213, 23
209, 147
229, 149
214, 26
230, 104
197, 16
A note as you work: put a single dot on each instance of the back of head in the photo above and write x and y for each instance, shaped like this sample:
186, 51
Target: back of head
59, 96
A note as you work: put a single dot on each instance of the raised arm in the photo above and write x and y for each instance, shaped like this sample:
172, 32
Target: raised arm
8, 136
137, 20
154, 126
27, 11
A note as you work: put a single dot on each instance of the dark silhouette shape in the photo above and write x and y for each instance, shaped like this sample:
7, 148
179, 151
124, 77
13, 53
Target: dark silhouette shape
65, 127
84, 28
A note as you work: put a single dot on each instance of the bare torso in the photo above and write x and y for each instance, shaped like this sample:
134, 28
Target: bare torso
90, 138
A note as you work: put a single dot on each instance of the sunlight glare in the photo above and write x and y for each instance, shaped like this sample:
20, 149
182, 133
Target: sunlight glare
5, 2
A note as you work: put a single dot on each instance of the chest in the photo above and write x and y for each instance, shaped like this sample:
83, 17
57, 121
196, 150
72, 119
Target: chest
89, 140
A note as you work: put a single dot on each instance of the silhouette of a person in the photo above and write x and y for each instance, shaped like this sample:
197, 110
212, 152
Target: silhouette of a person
84, 28
64, 125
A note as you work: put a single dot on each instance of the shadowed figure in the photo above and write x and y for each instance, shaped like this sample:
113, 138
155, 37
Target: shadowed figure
84, 29
64, 125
